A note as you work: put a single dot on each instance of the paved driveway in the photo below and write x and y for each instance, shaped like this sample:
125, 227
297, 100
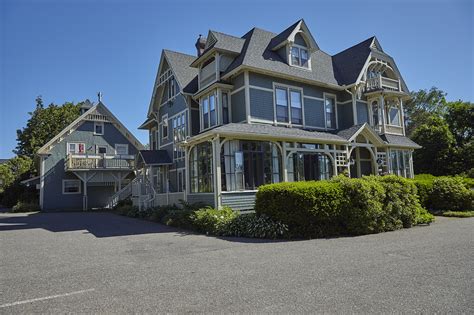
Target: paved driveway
100, 262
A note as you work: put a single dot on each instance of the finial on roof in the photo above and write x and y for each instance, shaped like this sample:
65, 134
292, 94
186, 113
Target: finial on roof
99, 96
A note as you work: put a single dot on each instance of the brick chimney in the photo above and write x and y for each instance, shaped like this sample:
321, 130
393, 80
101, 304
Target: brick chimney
200, 44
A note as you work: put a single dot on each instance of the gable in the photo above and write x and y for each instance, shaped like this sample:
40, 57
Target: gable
97, 113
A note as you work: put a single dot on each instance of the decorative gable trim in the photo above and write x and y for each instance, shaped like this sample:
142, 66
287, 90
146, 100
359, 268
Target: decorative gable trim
304, 31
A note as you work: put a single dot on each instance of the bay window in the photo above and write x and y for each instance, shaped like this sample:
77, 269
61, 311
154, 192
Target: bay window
400, 161
393, 114
289, 105
330, 111
225, 108
179, 134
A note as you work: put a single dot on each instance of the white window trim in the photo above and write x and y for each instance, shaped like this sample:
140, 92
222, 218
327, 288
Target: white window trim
299, 47
121, 144
72, 180
75, 143
99, 123
288, 88
335, 111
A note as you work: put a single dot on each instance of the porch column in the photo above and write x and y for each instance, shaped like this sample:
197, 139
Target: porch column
382, 109
186, 173
217, 171
284, 161
358, 162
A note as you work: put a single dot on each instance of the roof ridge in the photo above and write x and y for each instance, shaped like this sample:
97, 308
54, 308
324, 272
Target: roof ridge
178, 52
217, 32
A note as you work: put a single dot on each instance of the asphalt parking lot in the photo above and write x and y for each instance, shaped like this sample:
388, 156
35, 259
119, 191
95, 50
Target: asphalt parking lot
101, 262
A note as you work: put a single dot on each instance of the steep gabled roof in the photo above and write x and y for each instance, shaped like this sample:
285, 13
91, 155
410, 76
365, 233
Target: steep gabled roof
348, 64
228, 42
99, 107
288, 34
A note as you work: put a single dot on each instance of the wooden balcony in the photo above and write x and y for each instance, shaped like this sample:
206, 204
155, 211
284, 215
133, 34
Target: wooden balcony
382, 83
86, 162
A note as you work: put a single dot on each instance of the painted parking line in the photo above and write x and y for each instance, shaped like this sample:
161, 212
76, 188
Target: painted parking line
46, 298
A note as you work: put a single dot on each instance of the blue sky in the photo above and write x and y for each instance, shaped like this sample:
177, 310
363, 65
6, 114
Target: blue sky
69, 50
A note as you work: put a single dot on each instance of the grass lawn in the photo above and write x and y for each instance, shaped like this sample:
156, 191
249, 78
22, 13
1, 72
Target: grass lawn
457, 214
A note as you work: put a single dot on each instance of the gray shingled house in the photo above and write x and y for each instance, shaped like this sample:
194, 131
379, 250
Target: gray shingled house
88, 162
265, 108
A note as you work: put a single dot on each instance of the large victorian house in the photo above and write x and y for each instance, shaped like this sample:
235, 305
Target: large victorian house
265, 108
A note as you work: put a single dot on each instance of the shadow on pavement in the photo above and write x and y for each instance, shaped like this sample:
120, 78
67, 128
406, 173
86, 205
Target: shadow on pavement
100, 224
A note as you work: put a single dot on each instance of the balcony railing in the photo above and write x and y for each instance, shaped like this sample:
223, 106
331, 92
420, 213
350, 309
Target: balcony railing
379, 82
75, 162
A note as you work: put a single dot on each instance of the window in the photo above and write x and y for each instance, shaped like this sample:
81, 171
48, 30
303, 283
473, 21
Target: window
400, 163
209, 111
179, 134
205, 113
201, 168
296, 112
164, 127
299, 56
225, 108
307, 166
101, 149
76, 148
393, 114
281, 105
375, 113
71, 186
246, 165
171, 88
98, 128
286, 108
181, 182
121, 149
330, 107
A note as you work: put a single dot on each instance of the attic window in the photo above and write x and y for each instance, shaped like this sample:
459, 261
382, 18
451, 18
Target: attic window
299, 56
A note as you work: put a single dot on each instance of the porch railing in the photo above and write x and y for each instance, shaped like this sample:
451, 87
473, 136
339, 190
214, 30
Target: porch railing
380, 82
99, 162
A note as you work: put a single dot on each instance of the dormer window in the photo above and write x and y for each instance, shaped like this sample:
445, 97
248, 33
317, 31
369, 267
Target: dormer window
299, 56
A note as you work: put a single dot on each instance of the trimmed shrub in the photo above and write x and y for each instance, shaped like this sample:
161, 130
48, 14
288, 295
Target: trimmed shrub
256, 226
26, 207
308, 208
212, 221
180, 218
450, 193
342, 205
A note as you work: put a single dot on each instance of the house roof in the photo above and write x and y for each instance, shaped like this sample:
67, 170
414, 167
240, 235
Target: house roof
81, 119
348, 64
269, 132
349, 132
280, 38
180, 65
400, 141
155, 157
228, 42
257, 54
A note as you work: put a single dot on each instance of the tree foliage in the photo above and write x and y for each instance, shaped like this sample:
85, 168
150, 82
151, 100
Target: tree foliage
44, 123
444, 130
15, 169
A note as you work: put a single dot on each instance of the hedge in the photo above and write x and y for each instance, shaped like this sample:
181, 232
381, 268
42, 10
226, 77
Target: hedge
445, 193
343, 206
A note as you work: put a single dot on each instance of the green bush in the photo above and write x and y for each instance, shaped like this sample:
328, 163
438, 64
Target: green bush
26, 207
343, 206
308, 208
212, 221
450, 193
255, 226
180, 218
158, 213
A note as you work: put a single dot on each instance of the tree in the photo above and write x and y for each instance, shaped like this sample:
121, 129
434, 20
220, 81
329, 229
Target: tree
438, 147
460, 118
43, 125
423, 105
15, 169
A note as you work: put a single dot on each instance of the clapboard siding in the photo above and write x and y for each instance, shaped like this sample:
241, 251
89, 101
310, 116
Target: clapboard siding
206, 198
239, 200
